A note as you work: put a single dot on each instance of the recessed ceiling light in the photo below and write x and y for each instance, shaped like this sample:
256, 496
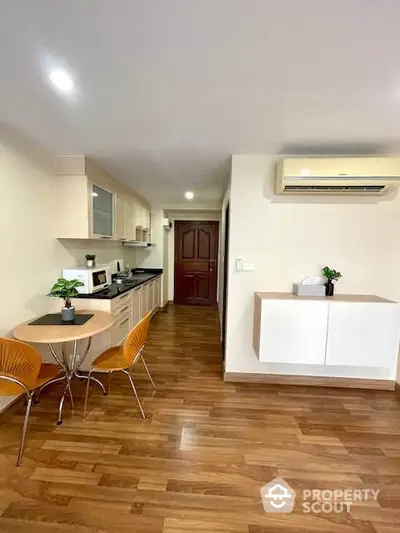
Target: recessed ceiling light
189, 195
62, 80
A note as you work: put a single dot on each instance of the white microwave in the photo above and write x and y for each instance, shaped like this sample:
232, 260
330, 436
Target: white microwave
93, 279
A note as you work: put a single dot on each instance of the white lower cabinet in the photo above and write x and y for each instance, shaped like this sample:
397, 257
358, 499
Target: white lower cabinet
136, 306
362, 334
293, 331
128, 309
120, 330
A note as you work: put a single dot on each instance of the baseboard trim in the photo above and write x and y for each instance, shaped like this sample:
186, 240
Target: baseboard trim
312, 381
164, 307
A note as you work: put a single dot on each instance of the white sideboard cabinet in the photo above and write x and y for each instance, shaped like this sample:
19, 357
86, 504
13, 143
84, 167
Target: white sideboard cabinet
339, 331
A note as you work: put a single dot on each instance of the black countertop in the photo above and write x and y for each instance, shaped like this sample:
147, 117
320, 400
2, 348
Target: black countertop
139, 276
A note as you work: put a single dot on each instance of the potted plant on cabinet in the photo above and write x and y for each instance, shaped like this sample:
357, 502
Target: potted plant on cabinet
66, 289
90, 260
331, 275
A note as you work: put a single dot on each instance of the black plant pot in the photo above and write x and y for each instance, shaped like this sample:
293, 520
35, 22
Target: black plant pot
329, 288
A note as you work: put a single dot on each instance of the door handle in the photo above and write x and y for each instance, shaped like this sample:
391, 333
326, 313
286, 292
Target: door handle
211, 265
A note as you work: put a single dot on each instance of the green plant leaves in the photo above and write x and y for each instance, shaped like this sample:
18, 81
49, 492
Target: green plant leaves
65, 289
331, 274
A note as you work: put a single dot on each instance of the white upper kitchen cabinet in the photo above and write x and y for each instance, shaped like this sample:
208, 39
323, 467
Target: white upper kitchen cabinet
293, 331
146, 219
142, 217
121, 218
363, 334
131, 213
102, 223
91, 204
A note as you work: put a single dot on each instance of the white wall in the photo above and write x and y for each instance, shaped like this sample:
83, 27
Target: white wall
182, 215
287, 239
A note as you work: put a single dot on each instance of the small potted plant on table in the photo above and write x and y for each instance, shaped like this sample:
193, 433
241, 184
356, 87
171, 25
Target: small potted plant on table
90, 260
331, 276
66, 289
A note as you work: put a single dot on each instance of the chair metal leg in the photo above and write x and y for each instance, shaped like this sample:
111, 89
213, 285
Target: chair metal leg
55, 380
87, 393
134, 391
99, 383
147, 371
24, 428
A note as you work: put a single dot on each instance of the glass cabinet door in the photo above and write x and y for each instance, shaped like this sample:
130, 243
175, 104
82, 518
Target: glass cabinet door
103, 212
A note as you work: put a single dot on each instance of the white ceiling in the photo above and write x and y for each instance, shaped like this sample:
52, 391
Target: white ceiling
168, 89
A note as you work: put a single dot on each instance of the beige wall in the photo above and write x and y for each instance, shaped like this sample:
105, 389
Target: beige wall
287, 239
31, 257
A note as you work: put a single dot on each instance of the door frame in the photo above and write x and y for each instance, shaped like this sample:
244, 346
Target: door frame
224, 303
176, 241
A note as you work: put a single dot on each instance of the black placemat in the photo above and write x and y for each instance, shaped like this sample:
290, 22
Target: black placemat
54, 319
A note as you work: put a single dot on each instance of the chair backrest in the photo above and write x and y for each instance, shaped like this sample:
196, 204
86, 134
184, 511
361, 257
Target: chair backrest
136, 339
20, 361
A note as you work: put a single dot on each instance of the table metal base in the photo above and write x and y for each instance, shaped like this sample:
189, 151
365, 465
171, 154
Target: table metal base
71, 370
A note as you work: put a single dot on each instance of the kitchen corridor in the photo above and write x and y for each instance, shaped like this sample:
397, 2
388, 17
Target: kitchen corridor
198, 461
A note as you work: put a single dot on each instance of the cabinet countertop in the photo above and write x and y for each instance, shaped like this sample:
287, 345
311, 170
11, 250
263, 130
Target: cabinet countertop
115, 290
361, 298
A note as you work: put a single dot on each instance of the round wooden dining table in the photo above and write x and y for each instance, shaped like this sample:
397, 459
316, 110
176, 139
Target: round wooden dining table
64, 334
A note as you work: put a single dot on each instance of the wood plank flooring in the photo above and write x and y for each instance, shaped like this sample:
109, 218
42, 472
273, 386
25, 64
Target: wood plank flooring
197, 463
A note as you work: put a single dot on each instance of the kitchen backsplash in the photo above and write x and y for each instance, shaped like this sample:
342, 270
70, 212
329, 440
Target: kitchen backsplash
105, 252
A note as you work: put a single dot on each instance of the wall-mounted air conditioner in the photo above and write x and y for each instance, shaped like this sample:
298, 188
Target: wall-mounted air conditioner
338, 175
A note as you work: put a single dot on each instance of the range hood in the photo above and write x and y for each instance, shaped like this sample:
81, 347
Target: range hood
138, 244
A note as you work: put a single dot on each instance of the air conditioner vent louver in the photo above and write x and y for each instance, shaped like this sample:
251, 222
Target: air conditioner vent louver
334, 188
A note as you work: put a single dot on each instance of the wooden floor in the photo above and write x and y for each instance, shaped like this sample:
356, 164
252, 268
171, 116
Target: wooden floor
199, 460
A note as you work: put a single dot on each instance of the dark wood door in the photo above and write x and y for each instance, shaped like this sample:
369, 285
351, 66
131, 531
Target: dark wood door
196, 254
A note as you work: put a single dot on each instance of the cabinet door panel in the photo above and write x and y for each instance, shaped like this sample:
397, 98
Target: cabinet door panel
135, 307
363, 334
145, 300
120, 218
146, 219
120, 331
293, 331
131, 221
102, 212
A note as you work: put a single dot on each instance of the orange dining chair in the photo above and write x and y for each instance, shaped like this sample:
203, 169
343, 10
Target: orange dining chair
21, 370
123, 358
